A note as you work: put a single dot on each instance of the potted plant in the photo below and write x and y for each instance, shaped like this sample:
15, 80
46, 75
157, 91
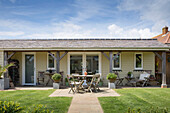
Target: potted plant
129, 74
56, 77
4, 82
111, 77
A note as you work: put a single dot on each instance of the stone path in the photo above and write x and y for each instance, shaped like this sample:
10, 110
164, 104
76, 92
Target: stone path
85, 102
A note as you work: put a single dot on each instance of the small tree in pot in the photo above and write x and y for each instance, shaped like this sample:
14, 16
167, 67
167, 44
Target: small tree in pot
56, 77
4, 82
4, 69
111, 77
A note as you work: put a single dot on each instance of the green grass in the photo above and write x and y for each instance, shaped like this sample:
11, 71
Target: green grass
142, 98
29, 98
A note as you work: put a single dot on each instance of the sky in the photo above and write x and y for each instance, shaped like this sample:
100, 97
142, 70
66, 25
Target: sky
46, 19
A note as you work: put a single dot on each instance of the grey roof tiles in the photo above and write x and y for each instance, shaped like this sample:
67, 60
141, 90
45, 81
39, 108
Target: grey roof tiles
83, 43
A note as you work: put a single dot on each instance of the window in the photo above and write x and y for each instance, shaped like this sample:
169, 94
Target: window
76, 64
116, 61
138, 61
92, 64
50, 62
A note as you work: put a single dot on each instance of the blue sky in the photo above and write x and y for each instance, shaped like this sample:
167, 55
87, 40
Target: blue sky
23, 19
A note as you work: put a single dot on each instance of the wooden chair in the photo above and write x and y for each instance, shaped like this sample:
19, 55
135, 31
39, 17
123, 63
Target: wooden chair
94, 82
143, 80
74, 85
40, 77
119, 79
78, 83
71, 84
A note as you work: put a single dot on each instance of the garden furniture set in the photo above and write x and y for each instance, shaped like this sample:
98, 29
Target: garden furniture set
83, 82
143, 79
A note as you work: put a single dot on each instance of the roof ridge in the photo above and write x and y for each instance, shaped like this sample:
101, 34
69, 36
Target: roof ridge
157, 36
74, 39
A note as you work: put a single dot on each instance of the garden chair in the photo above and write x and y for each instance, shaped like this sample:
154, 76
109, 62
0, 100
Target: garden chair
94, 83
74, 85
40, 77
71, 84
78, 83
143, 80
119, 79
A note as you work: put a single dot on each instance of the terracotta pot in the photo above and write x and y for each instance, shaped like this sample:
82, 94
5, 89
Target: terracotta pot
57, 81
112, 80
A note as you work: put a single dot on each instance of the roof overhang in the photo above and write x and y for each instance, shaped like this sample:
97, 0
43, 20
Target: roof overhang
84, 49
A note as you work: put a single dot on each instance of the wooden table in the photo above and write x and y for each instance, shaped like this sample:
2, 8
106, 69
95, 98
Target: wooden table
83, 76
50, 75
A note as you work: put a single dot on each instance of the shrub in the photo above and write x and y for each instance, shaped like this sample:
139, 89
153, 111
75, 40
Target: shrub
10, 107
152, 110
111, 76
158, 110
39, 109
56, 76
134, 111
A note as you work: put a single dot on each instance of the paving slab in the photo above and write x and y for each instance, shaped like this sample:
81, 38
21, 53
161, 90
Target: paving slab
85, 104
104, 92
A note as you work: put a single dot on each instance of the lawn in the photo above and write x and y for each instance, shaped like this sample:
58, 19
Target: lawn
142, 98
29, 98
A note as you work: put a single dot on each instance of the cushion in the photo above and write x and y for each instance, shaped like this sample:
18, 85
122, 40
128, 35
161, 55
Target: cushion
142, 76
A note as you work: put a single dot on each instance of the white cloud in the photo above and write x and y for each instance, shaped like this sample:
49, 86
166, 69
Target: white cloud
65, 27
13, 34
113, 31
117, 31
155, 11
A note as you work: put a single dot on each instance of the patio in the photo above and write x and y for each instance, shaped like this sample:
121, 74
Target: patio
104, 92
85, 102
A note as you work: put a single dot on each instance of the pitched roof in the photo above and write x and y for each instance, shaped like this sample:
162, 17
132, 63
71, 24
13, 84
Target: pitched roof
164, 38
57, 44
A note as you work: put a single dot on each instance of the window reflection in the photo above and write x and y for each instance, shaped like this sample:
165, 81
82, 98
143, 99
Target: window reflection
76, 64
92, 63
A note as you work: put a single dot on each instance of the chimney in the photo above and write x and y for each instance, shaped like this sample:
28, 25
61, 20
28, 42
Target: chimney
164, 30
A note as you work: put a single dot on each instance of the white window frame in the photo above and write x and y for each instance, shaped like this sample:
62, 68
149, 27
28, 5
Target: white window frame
23, 66
48, 62
83, 60
135, 62
119, 62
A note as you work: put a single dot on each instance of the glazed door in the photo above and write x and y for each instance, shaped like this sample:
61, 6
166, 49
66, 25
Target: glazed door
29, 70
76, 64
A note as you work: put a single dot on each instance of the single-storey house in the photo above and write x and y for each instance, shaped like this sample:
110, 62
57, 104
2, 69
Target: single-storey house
164, 38
77, 55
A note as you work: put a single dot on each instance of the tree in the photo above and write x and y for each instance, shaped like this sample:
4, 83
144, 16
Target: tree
4, 69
